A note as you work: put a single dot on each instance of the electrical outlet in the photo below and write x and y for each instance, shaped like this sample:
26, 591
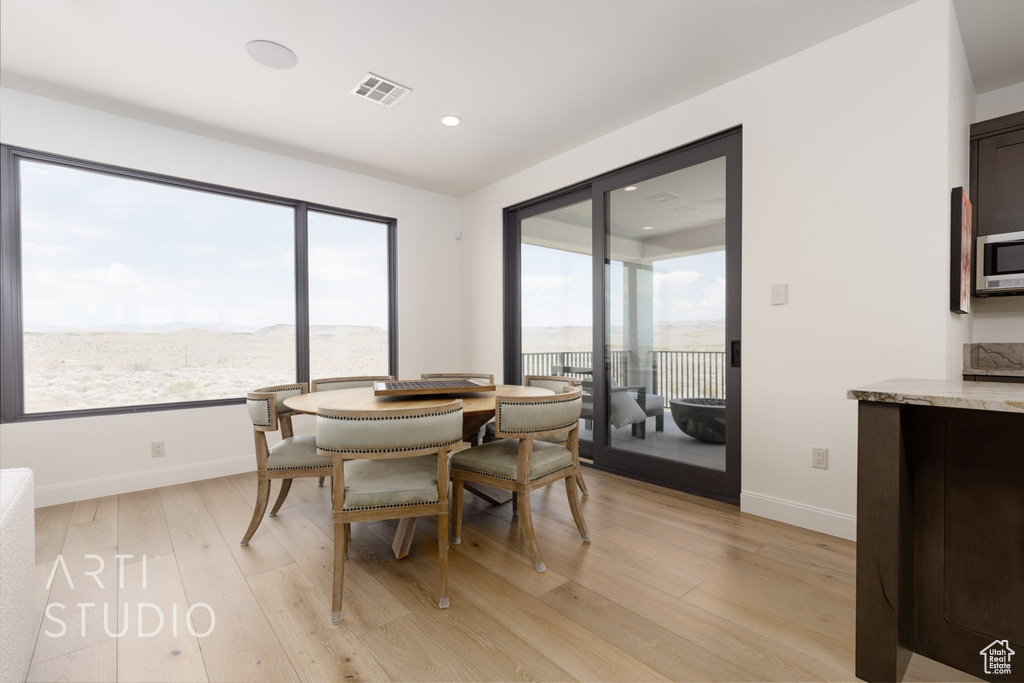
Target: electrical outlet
158, 449
819, 457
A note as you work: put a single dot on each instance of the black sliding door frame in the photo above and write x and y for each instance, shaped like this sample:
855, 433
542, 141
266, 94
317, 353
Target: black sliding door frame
707, 482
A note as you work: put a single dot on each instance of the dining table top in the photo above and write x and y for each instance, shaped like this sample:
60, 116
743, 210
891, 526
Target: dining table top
363, 398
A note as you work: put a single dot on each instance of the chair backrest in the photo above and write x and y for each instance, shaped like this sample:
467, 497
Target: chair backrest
555, 383
266, 406
332, 383
523, 415
378, 434
479, 376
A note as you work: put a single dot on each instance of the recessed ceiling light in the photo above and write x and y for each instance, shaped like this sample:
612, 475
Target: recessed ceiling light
630, 188
649, 227
450, 120
271, 54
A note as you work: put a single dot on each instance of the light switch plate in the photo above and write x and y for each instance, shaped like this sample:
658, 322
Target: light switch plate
780, 293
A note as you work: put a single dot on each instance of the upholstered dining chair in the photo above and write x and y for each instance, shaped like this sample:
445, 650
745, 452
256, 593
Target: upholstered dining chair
479, 376
292, 456
558, 384
333, 383
388, 464
520, 462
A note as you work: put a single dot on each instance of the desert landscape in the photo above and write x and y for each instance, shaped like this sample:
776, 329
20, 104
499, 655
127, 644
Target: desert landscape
67, 370
75, 370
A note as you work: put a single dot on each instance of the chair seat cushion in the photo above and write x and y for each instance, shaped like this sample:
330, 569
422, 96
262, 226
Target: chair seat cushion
499, 458
297, 452
654, 404
390, 483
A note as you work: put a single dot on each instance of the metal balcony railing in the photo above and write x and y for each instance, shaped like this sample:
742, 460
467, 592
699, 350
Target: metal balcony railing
673, 374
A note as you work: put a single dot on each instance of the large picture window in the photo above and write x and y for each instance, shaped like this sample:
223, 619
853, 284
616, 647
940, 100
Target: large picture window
127, 291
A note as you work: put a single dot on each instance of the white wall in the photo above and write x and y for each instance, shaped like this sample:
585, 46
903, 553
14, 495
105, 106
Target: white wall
999, 319
996, 103
81, 458
845, 172
961, 102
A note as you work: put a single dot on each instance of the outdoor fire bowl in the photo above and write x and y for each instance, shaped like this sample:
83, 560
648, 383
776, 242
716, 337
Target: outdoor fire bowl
701, 418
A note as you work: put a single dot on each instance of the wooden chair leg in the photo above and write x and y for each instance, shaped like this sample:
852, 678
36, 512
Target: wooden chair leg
659, 423
579, 481
456, 511
286, 486
574, 505
515, 507
340, 550
262, 498
321, 484
442, 557
526, 521
348, 538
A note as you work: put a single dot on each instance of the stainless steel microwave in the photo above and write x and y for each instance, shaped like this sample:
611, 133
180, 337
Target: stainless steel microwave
1000, 264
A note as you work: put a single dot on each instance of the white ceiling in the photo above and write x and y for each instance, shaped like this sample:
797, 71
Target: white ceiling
530, 78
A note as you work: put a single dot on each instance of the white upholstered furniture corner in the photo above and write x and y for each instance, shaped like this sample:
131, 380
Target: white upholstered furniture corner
17, 567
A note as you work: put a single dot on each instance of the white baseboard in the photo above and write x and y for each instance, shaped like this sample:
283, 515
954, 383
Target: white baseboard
798, 514
140, 481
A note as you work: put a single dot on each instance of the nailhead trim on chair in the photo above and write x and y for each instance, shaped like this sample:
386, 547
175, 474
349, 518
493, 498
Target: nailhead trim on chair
306, 467
531, 403
391, 450
495, 476
386, 417
389, 417
396, 505
263, 400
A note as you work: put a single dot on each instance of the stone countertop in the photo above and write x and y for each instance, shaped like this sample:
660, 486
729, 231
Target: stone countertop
1000, 360
1001, 397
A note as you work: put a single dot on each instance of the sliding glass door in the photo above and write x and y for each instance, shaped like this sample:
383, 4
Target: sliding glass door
662, 270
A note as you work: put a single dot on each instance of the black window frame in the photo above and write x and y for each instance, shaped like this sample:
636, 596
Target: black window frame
11, 328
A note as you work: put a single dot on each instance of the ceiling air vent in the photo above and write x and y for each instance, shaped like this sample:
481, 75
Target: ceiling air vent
380, 90
663, 197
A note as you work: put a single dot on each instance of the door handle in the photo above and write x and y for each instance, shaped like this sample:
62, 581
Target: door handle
734, 353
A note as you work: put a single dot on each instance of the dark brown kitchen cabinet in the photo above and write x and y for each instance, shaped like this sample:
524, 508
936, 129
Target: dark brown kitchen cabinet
997, 174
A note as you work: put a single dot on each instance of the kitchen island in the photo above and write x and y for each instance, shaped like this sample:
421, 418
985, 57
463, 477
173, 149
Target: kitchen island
940, 525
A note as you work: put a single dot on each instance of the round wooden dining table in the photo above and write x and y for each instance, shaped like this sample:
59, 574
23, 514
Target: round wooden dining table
477, 409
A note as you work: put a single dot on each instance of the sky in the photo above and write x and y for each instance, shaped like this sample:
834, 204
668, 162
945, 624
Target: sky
101, 251
556, 288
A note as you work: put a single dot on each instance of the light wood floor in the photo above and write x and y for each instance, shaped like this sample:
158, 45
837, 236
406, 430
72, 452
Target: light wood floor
672, 587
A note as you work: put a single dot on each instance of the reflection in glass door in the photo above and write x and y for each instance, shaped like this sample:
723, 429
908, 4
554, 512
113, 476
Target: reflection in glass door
556, 285
669, 269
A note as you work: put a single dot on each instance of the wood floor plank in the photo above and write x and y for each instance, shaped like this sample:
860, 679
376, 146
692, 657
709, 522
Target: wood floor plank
799, 625
590, 564
242, 646
96, 663
232, 515
598, 568
141, 527
51, 525
157, 647
827, 586
672, 586
318, 649
666, 652
585, 655
88, 554
367, 604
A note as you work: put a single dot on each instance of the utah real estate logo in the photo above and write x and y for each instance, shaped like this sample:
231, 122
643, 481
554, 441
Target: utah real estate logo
997, 657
